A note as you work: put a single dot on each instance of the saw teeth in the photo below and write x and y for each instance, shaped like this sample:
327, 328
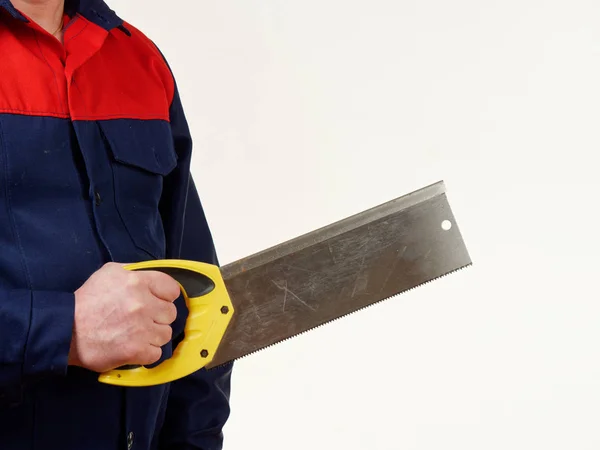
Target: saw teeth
344, 315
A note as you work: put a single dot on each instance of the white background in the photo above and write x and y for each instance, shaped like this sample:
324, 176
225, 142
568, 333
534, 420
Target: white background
304, 112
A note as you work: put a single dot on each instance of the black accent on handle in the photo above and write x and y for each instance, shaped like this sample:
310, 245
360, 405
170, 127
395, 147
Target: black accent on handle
195, 284
128, 367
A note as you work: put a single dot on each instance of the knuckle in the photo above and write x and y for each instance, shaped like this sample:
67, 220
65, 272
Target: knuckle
134, 280
173, 292
169, 284
175, 289
169, 313
173, 312
166, 335
158, 276
136, 305
152, 355
112, 266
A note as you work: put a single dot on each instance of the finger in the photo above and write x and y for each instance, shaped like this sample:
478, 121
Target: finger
151, 354
161, 335
163, 286
164, 313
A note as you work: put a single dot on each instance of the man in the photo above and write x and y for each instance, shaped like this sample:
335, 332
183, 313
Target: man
94, 173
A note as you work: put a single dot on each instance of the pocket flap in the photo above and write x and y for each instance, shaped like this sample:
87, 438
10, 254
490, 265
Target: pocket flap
146, 144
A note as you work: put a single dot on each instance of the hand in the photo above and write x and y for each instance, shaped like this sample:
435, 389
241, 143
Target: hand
122, 317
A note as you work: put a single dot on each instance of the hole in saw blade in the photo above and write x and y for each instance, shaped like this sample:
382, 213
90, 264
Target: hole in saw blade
446, 225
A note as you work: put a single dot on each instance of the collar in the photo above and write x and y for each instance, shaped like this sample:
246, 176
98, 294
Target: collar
96, 11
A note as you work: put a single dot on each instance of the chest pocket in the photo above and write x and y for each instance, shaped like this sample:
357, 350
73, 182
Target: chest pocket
142, 154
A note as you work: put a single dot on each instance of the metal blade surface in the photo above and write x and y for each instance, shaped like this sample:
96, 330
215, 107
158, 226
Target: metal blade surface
339, 269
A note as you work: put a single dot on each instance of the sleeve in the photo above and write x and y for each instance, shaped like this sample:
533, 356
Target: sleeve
198, 405
35, 334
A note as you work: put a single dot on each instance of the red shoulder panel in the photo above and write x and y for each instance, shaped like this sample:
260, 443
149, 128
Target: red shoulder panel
95, 76
126, 78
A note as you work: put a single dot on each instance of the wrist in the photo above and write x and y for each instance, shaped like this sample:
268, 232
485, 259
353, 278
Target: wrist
73, 353
73, 359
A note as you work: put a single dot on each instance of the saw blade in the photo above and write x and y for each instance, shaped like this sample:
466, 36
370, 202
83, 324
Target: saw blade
337, 270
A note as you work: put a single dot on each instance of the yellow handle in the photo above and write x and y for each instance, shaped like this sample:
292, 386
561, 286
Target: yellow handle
209, 315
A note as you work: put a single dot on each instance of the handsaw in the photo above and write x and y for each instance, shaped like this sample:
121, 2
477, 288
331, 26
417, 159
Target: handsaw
304, 283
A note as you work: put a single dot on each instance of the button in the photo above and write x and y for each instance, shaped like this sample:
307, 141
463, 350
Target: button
130, 440
98, 198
